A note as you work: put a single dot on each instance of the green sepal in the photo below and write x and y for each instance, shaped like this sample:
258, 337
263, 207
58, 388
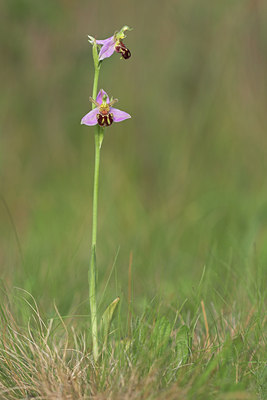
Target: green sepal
107, 319
121, 34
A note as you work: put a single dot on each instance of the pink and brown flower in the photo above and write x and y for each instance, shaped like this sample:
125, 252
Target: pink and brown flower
112, 44
104, 114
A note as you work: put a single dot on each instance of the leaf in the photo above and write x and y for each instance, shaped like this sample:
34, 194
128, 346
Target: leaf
160, 336
183, 343
107, 319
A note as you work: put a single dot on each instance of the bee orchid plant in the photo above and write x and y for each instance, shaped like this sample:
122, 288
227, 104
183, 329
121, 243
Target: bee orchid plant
102, 115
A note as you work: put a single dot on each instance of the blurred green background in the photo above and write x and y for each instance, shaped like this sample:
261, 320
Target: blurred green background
183, 184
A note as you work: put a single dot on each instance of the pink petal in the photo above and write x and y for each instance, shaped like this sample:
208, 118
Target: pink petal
119, 115
100, 95
107, 50
105, 41
90, 118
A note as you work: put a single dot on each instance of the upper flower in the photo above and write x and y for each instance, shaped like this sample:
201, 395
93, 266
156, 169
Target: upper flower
114, 43
104, 114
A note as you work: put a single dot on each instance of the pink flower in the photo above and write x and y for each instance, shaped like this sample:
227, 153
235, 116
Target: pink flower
104, 114
113, 43
110, 45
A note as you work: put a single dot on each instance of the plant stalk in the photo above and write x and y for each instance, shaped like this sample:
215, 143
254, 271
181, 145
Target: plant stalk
92, 270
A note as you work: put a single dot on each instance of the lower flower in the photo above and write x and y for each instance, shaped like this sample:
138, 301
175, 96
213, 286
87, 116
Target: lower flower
104, 114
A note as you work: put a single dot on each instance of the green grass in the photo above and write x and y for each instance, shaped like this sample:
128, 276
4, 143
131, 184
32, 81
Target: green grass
182, 189
52, 359
198, 349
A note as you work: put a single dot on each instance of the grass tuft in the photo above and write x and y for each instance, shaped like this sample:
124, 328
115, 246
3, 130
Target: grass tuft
162, 359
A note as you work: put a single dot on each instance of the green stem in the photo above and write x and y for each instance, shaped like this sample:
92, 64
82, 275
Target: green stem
97, 69
96, 177
92, 270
